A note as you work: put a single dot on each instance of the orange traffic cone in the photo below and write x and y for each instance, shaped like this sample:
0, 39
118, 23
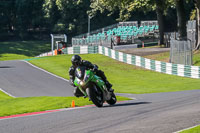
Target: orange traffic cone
73, 103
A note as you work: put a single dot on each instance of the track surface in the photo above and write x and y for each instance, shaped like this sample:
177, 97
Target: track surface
149, 113
20, 79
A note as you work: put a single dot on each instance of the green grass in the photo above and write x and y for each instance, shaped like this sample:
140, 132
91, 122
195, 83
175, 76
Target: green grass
196, 59
12, 106
192, 130
22, 49
4, 57
3, 96
125, 78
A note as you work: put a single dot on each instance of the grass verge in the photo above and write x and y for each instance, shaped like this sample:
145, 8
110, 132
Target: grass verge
12, 106
192, 130
125, 78
3, 96
196, 58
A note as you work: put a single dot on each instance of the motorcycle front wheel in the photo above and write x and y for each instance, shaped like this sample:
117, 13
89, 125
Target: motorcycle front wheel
96, 95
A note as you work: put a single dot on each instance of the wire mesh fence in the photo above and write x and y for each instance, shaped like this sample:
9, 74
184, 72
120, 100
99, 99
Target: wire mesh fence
191, 32
181, 52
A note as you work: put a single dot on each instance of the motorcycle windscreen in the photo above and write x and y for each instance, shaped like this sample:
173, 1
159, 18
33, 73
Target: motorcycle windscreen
80, 72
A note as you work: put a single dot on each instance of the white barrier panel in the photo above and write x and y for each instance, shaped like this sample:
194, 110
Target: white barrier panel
70, 50
129, 59
106, 51
138, 60
147, 63
84, 50
195, 72
168, 68
120, 56
158, 66
113, 54
180, 70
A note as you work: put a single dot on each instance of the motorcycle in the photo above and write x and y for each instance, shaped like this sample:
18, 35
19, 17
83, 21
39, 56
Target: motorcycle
93, 86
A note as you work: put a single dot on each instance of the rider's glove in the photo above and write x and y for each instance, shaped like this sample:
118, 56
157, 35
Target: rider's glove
95, 68
72, 83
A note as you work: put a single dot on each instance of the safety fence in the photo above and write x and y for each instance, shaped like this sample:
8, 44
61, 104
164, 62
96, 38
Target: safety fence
73, 50
163, 67
158, 66
180, 52
191, 33
81, 50
46, 54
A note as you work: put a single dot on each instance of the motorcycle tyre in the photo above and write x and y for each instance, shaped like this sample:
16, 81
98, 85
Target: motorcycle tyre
112, 100
93, 95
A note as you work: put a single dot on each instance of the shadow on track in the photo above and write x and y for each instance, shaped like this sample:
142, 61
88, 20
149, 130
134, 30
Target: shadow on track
6, 66
127, 104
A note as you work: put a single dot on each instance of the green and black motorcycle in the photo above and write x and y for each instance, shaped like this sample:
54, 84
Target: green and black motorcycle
93, 86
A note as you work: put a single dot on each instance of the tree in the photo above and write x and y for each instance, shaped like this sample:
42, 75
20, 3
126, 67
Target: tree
160, 18
198, 23
29, 16
74, 15
52, 13
181, 15
7, 15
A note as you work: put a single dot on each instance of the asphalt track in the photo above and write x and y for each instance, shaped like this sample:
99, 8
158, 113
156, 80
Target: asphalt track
20, 79
148, 113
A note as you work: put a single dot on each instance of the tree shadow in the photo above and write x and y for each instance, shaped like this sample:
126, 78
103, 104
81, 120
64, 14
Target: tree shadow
26, 48
127, 104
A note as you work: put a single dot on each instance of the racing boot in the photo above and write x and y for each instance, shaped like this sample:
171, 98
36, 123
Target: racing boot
109, 86
78, 93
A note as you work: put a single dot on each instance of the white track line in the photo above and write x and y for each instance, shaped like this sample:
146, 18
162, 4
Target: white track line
7, 93
186, 129
45, 71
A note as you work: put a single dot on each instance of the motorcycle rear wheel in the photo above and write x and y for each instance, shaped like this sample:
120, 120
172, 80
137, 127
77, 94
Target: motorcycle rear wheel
112, 100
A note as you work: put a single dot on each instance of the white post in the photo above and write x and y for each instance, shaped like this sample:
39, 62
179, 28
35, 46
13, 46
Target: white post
88, 25
65, 38
52, 43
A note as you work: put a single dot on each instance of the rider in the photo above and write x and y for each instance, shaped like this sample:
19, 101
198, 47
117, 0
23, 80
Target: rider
77, 61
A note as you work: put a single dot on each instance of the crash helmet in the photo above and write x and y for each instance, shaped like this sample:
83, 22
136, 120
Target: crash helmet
76, 60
